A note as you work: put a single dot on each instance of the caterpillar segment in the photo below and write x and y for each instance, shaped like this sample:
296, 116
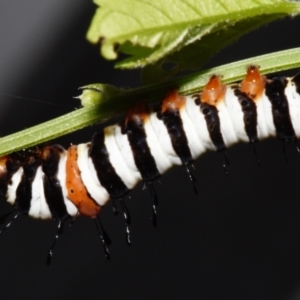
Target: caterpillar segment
54, 183
76, 190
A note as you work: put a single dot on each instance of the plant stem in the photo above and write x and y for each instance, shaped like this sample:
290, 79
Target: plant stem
86, 116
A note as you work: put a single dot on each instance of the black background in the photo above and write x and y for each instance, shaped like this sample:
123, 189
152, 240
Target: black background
239, 239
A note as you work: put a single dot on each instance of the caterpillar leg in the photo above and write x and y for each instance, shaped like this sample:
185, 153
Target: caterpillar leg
154, 202
105, 240
59, 232
7, 225
126, 219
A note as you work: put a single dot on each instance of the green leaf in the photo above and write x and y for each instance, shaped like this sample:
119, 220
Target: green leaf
169, 36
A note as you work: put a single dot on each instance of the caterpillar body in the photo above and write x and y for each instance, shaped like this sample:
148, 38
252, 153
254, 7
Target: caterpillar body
52, 182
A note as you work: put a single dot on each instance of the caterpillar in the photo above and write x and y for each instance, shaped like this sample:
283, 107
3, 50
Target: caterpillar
51, 182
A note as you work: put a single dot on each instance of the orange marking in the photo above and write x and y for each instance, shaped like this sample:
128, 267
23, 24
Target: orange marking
173, 101
3, 161
44, 152
139, 113
214, 91
254, 83
77, 191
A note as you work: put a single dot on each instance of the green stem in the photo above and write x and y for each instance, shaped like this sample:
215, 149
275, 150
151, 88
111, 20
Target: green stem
86, 116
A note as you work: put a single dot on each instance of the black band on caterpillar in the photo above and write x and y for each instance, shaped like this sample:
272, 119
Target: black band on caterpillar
106, 172
134, 127
250, 114
280, 108
52, 186
24, 190
169, 113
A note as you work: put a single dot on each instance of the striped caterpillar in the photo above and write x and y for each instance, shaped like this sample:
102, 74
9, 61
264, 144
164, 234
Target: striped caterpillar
51, 182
